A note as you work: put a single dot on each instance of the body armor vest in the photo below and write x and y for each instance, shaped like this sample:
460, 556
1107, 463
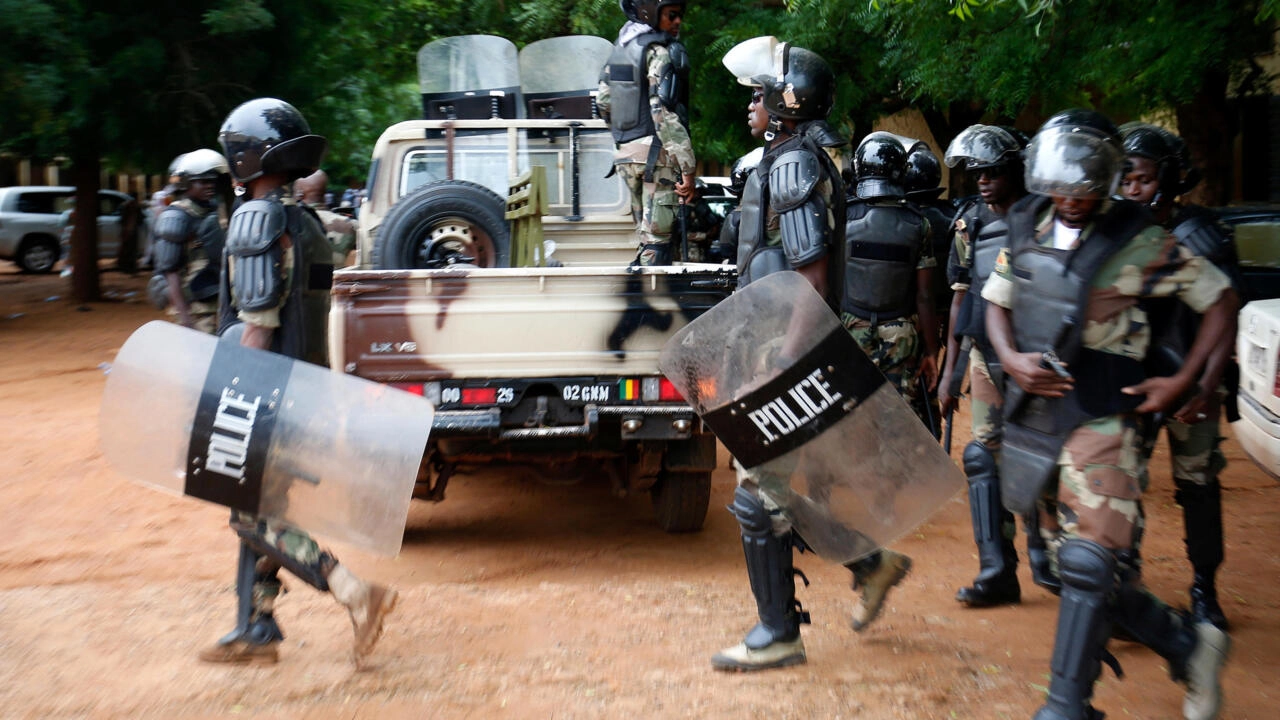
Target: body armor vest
756, 256
628, 78
1173, 324
882, 244
304, 311
989, 233
1051, 293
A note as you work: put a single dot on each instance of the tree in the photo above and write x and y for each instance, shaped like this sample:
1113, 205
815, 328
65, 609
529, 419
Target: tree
1025, 59
142, 82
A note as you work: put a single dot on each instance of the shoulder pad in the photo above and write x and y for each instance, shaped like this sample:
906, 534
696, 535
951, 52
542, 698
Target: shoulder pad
210, 233
1203, 236
174, 225
255, 227
792, 179
679, 56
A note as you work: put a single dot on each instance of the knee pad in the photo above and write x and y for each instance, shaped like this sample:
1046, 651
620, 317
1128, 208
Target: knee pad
978, 460
750, 513
1086, 565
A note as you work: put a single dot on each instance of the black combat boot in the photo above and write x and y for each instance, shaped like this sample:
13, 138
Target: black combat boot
993, 529
1202, 518
1038, 556
774, 641
1084, 623
1195, 650
256, 636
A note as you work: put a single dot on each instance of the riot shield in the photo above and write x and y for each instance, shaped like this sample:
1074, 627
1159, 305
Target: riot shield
787, 390
558, 75
332, 454
469, 77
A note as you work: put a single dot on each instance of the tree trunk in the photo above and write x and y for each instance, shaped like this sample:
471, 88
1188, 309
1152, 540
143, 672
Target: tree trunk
1206, 125
84, 236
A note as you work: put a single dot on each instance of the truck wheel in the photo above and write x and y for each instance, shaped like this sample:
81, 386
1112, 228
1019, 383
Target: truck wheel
680, 500
443, 223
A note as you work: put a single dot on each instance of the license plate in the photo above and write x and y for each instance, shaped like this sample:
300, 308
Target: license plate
587, 393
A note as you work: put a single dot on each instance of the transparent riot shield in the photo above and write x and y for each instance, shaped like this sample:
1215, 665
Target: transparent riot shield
469, 76
818, 428
563, 65
330, 453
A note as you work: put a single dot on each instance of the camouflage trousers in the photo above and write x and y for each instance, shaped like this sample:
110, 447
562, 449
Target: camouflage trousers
653, 205
1098, 492
986, 403
895, 348
1194, 452
292, 542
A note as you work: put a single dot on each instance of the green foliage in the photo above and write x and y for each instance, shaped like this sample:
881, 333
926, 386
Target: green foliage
147, 81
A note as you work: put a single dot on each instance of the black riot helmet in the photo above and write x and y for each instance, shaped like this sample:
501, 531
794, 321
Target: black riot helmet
981, 147
268, 136
1188, 175
797, 84
1147, 141
742, 168
879, 166
1076, 153
646, 11
922, 178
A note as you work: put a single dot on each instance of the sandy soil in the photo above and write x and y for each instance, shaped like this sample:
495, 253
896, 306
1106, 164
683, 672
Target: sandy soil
520, 599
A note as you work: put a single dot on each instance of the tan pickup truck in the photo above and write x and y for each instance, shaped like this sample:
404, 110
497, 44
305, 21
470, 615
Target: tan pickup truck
494, 278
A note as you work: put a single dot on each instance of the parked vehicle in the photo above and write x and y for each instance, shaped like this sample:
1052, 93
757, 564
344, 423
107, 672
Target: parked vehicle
1258, 351
29, 224
537, 341
1257, 234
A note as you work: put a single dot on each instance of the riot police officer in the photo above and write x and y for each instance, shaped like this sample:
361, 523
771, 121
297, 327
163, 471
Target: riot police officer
276, 276
726, 246
992, 157
792, 219
1155, 175
887, 303
922, 181
1065, 317
188, 235
644, 94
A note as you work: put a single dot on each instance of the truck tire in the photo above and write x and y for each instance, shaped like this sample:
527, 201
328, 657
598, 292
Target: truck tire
441, 222
680, 500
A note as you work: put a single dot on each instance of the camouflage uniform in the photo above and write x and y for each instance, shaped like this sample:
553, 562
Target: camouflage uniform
986, 401
1098, 488
654, 204
895, 345
204, 313
292, 543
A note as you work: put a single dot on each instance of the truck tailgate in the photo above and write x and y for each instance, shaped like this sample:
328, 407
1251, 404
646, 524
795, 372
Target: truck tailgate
419, 325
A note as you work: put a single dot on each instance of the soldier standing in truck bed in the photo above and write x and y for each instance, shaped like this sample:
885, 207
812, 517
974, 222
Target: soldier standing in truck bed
644, 95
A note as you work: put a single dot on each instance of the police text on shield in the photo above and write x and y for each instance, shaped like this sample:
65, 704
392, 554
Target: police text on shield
232, 430
794, 408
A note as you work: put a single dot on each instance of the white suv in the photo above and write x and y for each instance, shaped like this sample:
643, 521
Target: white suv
29, 230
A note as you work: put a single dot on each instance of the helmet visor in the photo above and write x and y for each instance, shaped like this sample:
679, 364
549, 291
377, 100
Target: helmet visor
979, 145
752, 60
1073, 161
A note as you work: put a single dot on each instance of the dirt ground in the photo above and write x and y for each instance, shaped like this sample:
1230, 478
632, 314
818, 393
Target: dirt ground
520, 598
